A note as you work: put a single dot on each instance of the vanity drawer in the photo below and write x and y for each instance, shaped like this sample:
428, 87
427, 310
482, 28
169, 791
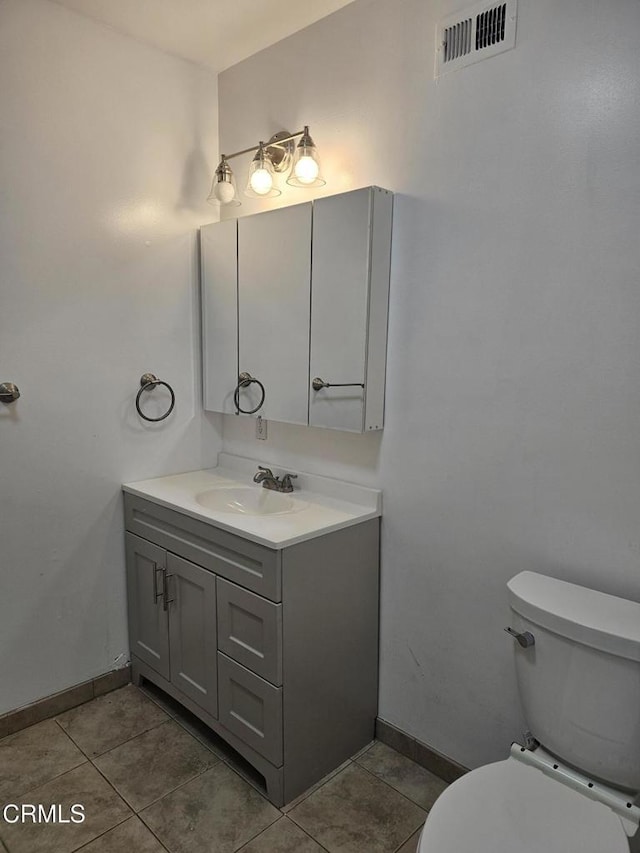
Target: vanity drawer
246, 563
250, 630
251, 708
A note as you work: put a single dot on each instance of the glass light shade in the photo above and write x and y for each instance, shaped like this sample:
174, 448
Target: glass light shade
305, 169
223, 188
260, 178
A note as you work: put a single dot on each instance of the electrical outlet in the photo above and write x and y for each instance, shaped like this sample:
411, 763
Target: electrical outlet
261, 428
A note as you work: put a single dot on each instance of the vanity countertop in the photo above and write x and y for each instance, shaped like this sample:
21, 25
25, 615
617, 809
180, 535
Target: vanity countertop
318, 504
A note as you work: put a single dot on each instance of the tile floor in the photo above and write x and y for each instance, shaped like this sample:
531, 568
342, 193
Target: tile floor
153, 779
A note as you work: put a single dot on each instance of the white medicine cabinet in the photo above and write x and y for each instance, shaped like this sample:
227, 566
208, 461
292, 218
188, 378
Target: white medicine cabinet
297, 298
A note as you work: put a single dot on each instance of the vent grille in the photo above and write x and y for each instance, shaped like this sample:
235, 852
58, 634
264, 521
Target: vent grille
477, 34
490, 26
457, 40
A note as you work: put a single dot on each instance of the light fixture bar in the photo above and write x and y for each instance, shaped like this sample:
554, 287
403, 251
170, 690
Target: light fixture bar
280, 143
278, 155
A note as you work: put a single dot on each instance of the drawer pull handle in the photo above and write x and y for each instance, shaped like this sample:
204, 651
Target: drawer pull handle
156, 594
166, 601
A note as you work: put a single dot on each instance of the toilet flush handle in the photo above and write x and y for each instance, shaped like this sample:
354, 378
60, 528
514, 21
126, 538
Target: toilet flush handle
526, 639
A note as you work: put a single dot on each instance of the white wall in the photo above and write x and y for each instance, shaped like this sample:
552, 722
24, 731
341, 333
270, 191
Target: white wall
512, 436
106, 147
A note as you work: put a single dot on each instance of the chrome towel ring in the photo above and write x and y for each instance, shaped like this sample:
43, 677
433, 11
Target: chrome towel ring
244, 380
147, 383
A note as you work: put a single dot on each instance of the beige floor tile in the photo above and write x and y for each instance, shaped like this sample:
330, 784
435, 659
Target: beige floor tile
111, 720
303, 796
356, 812
218, 812
404, 775
34, 756
103, 809
282, 837
132, 836
154, 763
411, 845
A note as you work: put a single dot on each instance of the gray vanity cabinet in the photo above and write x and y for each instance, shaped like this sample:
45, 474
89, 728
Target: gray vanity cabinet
148, 623
192, 631
172, 619
276, 650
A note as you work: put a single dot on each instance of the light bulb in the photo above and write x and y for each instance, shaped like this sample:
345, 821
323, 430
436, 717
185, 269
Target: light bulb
306, 170
224, 191
261, 181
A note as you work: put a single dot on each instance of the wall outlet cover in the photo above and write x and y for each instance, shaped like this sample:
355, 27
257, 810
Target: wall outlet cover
261, 428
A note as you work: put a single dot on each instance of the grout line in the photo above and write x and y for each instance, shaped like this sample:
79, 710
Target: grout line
113, 787
308, 834
127, 740
408, 838
166, 794
84, 846
389, 785
145, 824
317, 787
257, 835
53, 779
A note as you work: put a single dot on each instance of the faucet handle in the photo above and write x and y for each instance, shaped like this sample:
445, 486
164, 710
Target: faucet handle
287, 485
262, 474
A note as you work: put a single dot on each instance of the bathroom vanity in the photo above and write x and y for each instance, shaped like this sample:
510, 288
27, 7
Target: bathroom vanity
259, 613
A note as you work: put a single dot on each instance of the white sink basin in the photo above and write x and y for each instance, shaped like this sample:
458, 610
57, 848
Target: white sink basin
248, 501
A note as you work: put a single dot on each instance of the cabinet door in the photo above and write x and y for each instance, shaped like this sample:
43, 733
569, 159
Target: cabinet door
192, 631
148, 621
219, 261
349, 303
274, 271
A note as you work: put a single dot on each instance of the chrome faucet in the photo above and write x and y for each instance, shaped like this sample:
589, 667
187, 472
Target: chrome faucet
270, 481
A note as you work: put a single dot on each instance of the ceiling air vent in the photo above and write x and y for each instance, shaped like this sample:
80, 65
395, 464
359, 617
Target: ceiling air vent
478, 33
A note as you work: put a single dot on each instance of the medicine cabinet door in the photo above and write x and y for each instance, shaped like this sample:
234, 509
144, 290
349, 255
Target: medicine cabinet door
274, 280
219, 259
350, 296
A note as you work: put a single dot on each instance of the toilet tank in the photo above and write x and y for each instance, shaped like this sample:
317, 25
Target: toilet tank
580, 682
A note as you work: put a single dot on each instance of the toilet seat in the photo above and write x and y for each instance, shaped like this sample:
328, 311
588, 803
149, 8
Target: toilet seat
511, 807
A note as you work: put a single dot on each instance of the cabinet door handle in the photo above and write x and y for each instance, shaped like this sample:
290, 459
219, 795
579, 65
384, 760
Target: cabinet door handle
317, 384
166, 601
156, 594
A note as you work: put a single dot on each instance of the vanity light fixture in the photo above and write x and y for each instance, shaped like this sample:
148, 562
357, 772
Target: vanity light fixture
277, 155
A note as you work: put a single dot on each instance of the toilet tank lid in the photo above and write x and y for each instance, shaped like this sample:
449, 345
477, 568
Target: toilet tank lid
595, 619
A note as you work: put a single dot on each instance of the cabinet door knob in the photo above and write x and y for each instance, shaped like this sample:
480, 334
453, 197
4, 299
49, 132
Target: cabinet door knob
9, 392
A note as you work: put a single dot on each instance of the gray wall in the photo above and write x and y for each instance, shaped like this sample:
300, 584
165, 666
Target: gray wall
512, 436
103, 165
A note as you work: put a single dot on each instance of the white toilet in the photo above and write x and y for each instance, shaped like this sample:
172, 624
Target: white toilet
578, 668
